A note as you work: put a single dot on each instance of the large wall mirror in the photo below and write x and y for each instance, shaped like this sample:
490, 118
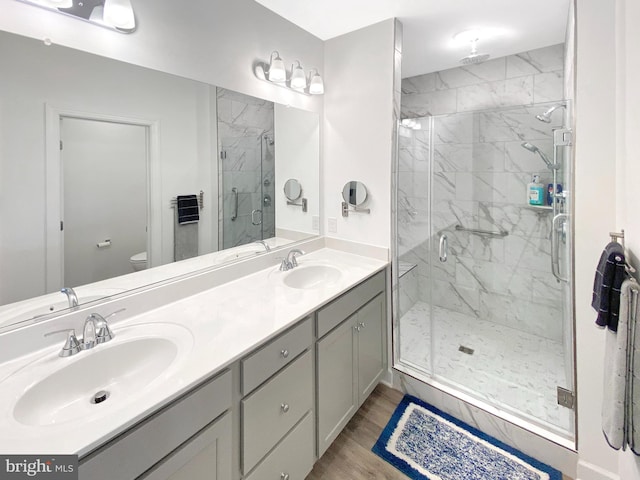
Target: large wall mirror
111, 172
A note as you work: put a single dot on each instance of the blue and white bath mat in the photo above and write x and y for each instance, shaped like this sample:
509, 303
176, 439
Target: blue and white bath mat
426, 443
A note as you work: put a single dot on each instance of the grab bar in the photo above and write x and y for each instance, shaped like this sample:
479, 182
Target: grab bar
555, 246
234, 191
477, 231
443, 248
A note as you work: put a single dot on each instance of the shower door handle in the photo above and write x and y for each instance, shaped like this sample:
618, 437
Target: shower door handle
234, 215
443, 248
254, 216
557, 223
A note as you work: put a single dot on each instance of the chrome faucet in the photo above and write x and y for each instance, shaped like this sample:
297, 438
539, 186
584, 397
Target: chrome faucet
95, 331
290, 261
264, 244
71, 296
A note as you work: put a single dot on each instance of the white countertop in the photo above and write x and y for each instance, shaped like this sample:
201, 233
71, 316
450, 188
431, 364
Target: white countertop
224, 324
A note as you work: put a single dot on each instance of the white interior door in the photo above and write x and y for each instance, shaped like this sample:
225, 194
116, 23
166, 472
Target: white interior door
104, 185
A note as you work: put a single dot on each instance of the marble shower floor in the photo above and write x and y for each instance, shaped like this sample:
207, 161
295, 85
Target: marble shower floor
509, 368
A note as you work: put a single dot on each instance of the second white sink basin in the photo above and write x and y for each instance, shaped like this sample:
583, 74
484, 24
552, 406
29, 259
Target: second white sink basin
312, 276
121, 370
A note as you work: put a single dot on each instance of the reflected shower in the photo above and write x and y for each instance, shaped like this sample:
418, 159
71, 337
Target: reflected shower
533, 149
546, 116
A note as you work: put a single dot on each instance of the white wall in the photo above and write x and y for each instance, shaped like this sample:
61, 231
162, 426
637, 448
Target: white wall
595, 207
358, 129
213, 41
628, 76
298, 157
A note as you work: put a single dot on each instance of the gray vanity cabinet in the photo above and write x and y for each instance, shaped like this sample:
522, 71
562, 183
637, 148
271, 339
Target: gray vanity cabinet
350, 357
193, 434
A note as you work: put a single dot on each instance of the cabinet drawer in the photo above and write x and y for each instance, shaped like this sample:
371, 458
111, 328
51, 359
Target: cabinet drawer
270, 412
276, 354
294, 456
133, 453
347, 304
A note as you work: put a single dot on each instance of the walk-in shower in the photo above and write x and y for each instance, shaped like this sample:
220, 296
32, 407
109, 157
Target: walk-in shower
482, 294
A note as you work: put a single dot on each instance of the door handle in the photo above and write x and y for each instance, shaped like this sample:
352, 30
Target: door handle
556, 224
256, 214
443, 248
234, 215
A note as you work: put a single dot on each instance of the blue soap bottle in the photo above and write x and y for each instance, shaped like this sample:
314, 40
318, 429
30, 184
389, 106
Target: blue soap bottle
535, 192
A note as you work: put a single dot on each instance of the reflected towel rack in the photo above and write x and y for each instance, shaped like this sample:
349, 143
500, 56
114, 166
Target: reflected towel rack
619, 237
477, 231
174, 201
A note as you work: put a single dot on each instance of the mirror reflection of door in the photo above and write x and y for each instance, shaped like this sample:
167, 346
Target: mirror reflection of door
104, 178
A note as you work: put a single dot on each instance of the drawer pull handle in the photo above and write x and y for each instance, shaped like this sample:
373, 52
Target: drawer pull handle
284, 476
361, 324
285, 407
356, 328
284, 353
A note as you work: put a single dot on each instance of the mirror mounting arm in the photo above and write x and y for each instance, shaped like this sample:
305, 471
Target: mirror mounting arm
346, 208
303, 204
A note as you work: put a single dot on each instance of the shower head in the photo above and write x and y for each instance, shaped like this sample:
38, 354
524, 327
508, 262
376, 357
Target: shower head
533, 149
546, 116
474, 57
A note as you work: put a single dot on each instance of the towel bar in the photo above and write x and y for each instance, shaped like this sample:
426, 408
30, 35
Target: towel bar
477, 231
174, 201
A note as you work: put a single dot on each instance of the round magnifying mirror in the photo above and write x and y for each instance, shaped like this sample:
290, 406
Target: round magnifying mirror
354, 193
292, 189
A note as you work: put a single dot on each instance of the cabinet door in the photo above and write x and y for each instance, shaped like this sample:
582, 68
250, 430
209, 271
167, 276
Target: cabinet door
207, 456
337, 394
370, 347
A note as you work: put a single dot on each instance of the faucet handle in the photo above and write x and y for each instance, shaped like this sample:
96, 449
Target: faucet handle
71, 345
103, 331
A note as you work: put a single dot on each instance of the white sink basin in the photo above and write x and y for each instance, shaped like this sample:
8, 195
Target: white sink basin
312, 276
122, 368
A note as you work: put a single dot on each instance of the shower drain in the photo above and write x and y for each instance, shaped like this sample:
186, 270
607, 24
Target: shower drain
467, 350
99, 397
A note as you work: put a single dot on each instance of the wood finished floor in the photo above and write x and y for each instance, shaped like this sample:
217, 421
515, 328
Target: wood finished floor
350, 456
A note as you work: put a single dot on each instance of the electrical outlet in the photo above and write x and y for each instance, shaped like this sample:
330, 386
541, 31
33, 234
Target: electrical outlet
315, 223
333, 225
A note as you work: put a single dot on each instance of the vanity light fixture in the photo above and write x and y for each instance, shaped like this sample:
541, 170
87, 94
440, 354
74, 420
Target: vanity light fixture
114, 14
276, 73
316, 85
298, 77
119, 13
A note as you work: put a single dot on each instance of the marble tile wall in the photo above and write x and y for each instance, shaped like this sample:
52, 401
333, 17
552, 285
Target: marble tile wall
245, 135
480, 115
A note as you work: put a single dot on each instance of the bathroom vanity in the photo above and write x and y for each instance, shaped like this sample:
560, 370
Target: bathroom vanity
275, 366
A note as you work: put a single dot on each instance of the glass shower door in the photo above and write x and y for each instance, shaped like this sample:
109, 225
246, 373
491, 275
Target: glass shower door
486, 316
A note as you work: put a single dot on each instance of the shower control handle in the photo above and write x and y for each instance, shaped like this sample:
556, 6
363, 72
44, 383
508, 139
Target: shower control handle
443, 248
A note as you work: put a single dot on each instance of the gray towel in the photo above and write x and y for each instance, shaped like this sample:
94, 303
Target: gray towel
619, 405
609, 276
185, 240
629, 308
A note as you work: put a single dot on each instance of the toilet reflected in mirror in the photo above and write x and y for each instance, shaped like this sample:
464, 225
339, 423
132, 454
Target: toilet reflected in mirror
138, 261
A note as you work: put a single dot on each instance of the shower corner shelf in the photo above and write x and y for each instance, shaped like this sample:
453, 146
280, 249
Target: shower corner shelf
547, 208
